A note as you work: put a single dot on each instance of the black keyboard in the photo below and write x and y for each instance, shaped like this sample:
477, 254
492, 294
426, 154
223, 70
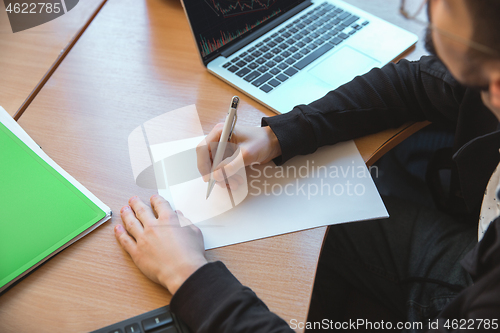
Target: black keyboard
160, 320
272, 61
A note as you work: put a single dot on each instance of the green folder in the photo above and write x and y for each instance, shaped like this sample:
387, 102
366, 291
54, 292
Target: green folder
41, 211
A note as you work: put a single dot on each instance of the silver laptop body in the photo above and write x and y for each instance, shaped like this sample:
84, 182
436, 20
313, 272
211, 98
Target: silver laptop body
332, 42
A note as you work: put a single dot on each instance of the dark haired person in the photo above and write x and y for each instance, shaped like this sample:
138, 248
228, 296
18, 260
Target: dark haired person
421, 263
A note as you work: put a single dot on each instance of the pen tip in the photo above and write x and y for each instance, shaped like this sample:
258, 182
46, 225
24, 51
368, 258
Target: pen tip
211, 184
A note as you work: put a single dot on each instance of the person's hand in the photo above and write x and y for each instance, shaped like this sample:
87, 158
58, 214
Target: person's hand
163, 250
256, 144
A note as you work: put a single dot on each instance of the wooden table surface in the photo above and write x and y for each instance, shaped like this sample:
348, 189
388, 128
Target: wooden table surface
27, 56
137, 60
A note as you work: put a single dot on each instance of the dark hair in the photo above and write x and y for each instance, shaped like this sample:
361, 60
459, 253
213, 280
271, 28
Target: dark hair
485, 16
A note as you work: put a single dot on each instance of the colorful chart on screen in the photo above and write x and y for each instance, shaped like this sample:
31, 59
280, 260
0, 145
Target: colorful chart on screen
216, 23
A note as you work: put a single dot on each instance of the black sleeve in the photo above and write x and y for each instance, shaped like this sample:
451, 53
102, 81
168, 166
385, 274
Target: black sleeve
381, 99
212, 300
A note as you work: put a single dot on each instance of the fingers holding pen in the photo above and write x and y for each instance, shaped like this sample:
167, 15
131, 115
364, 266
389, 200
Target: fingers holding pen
204, 160
205, 151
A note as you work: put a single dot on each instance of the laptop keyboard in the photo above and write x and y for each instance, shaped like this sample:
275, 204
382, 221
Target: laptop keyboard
282, 55
160, 320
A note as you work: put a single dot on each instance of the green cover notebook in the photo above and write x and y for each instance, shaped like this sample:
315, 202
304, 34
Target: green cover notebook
41, 211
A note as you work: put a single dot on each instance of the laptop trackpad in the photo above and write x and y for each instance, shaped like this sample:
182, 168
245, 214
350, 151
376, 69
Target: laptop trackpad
351, 63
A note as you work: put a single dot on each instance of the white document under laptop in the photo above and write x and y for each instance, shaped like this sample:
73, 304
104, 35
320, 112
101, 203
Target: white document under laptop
331, 186
283, 53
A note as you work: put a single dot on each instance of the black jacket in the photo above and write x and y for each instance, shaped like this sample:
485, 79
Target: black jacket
212, 300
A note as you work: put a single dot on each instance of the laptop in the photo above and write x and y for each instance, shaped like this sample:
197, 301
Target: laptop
283, 53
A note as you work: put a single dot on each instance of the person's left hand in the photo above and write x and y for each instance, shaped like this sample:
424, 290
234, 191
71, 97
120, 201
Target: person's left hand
163, 250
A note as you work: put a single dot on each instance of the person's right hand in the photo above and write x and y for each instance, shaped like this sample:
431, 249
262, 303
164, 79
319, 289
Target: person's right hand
257, 145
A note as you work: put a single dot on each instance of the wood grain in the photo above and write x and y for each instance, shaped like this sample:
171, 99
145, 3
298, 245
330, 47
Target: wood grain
137, 60
28, 56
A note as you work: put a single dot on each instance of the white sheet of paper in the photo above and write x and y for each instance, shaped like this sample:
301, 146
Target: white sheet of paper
328, 187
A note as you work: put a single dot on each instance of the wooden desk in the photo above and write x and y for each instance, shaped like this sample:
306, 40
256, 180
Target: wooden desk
28, 57
136, 61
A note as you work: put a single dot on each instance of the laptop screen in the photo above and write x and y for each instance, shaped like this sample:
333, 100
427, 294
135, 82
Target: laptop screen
216, 23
